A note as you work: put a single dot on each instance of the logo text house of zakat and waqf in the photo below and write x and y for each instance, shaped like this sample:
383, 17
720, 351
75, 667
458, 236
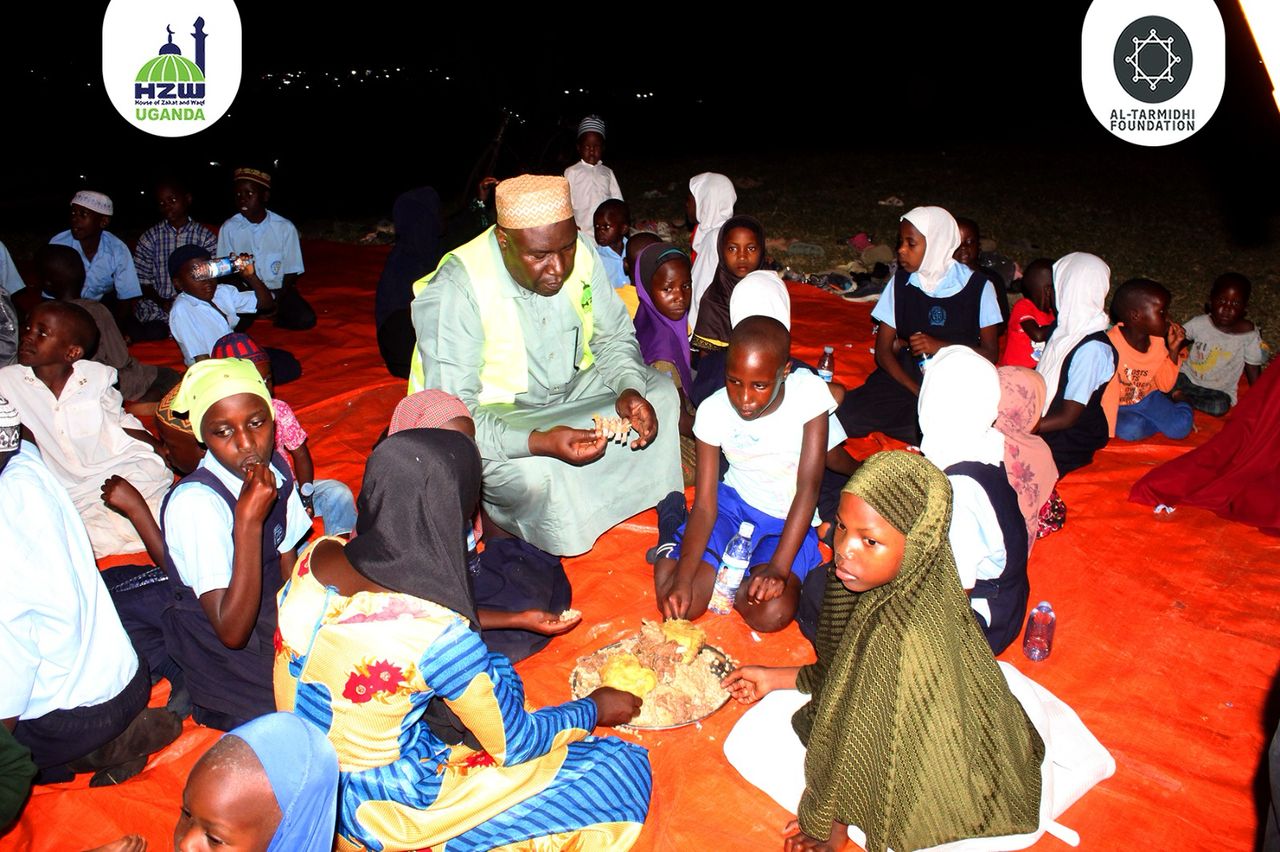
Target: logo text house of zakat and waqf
171, 86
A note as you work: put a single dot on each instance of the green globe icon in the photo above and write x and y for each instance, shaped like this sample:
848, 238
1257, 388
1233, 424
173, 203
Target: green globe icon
170, 69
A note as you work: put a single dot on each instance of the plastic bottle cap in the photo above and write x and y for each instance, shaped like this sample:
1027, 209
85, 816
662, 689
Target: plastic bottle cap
1044, 604
746, 528
828, 349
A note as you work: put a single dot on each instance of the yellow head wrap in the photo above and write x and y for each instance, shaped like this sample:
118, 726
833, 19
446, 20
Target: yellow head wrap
213, 380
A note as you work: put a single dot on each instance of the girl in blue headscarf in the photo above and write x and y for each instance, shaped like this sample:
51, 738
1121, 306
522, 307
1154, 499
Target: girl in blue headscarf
270, 784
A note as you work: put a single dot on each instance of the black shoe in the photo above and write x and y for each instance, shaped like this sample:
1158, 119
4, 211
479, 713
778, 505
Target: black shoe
150, 731
868, 291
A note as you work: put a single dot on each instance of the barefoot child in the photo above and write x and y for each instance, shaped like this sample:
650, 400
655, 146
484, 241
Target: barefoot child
1149, 353
905, 726
230, 529
1031, 319
772, 425
1223, 345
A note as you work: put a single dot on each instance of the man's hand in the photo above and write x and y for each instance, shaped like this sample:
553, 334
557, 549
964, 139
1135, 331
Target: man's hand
569, 445
641, 414
257, 495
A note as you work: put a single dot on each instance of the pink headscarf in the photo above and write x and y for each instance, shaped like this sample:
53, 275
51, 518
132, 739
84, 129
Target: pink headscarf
1027, 459
428, 409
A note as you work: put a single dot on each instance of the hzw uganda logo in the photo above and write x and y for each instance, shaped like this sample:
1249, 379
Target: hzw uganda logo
189, 81
1145, 79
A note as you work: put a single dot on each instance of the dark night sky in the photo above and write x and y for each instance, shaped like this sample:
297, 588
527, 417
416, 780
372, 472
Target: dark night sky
779, 84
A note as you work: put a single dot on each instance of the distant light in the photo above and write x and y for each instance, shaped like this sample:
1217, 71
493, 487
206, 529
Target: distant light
214, 163
353, 73
82, 177
566, 91
275, 163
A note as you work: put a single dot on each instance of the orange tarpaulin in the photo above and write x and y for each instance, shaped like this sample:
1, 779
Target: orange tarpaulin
1167, 641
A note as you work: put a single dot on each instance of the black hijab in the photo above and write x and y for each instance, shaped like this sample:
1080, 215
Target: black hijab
419, 493
419, 227
714, 327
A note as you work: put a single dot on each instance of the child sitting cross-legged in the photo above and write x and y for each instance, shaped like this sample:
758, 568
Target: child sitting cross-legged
1223, 344
328, 498
230, 531
77, 417
1149, 350
772, 425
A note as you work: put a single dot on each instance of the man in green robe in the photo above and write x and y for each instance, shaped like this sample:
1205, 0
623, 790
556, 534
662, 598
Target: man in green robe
522, 325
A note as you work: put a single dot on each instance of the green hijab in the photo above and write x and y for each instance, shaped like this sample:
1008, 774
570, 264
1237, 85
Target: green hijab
912, 733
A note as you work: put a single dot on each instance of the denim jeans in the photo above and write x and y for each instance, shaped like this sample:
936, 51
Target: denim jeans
1155, 413
333, 502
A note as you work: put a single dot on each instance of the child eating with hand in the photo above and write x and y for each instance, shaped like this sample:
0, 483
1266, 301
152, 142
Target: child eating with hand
1223, 346
327, 498
1149, 353
771, 423
230, 529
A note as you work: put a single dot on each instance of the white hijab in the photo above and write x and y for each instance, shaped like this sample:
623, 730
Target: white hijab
959, 401
760, 293
713, 197
1080, 282
941, 239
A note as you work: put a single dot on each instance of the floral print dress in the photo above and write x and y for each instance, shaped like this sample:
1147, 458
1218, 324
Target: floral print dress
363, 669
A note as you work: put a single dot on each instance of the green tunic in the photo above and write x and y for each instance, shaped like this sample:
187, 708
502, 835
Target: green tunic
557, 507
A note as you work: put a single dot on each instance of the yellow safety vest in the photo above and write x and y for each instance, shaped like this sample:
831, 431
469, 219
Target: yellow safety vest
505, 371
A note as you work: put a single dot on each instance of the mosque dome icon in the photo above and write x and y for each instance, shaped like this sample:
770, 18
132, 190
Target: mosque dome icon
170, 66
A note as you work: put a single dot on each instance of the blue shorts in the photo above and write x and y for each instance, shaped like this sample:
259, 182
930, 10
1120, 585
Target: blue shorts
731, 511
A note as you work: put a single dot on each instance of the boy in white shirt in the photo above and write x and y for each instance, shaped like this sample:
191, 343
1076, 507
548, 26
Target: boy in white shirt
204, 310
773, 427
591, 182
273, 242
72, 408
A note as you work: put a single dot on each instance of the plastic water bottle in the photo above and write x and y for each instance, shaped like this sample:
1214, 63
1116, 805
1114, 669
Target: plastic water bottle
924, 363
1038, 641
733, 567
218, 267
473, 555
827, 364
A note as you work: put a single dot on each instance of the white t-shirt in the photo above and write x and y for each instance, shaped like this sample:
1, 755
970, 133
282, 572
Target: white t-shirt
197, 324
764, 454
61, 642
1217, 357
